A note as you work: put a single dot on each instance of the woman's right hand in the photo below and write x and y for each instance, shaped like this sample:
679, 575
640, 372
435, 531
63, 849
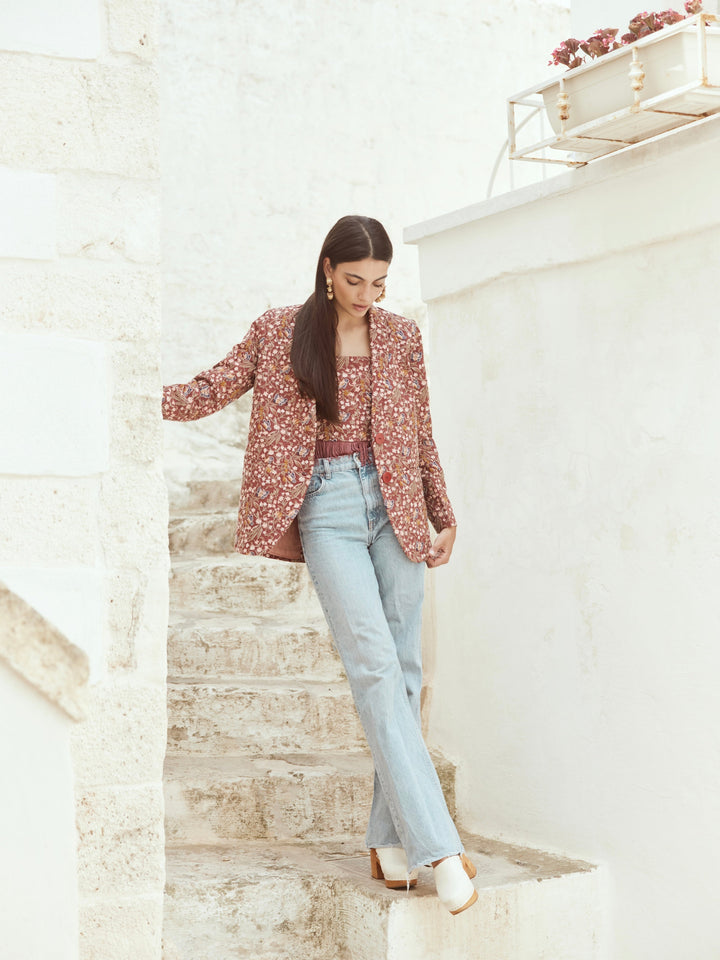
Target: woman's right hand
442, 547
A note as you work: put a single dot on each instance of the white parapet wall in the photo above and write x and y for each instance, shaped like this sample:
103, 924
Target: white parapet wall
575, 350
83, 538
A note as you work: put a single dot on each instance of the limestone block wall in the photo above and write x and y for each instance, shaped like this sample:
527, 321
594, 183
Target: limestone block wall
575, 683
279, 118
84, 532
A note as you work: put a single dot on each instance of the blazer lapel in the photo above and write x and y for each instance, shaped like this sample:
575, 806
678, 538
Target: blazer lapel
381, 357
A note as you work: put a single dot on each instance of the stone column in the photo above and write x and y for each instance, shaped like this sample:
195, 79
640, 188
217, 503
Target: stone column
81, 490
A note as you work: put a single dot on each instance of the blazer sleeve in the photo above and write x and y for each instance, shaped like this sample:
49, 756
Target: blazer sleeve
440, 511
213, 389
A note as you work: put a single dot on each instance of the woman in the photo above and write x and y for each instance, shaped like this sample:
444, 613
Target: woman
341, 471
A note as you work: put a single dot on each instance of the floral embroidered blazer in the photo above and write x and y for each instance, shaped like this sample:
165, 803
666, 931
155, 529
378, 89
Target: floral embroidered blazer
281, 439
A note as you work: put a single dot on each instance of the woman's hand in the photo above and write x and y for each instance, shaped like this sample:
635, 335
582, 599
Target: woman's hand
442, 547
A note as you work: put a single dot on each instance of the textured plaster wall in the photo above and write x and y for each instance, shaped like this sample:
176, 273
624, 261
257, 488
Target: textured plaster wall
279, 118
576, 680
84, 533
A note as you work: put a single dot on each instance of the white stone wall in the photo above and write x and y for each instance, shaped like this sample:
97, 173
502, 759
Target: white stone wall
575, 351
38, 874
43, 683
279, 118
84, 532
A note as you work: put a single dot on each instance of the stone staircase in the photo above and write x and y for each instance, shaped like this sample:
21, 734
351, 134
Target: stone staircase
268, 785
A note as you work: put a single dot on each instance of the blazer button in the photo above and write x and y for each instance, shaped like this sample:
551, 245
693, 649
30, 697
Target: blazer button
387, 477
379, 438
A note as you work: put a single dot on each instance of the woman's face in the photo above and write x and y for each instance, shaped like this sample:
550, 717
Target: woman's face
356, 285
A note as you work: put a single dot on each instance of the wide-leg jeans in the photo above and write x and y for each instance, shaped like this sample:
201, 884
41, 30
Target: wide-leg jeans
371, 594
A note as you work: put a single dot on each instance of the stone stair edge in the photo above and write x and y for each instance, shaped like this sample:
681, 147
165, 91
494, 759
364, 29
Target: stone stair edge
234, 559
199, 765
316, 757
230, 513
343, 762
277, 619
324, 857
254, 683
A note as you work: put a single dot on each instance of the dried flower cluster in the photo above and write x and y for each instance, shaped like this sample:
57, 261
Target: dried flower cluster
572, 53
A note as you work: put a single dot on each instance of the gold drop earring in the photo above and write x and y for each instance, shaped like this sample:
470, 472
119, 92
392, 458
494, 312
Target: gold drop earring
328, 283
381, 297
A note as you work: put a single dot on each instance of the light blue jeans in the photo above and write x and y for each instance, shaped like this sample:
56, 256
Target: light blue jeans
371, 595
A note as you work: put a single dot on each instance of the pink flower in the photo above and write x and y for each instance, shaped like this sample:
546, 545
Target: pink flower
604, 40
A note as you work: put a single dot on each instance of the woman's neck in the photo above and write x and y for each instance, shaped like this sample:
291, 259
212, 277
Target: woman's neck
353, 337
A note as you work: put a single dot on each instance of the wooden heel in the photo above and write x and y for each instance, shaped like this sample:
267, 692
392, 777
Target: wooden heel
454, 884
375, 868
470, 902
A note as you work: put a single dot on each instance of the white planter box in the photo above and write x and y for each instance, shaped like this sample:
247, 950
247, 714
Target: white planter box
665, 80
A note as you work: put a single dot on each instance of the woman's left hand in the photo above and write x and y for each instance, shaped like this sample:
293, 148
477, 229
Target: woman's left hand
442, 547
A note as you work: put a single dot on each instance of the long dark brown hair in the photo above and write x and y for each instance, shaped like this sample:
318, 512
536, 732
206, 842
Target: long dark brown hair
312, 354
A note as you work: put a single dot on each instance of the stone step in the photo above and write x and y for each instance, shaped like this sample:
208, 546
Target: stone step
318, 902
202, 534
261, 716
296, 797
259, 903
204, 496
225, 647
245, 585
